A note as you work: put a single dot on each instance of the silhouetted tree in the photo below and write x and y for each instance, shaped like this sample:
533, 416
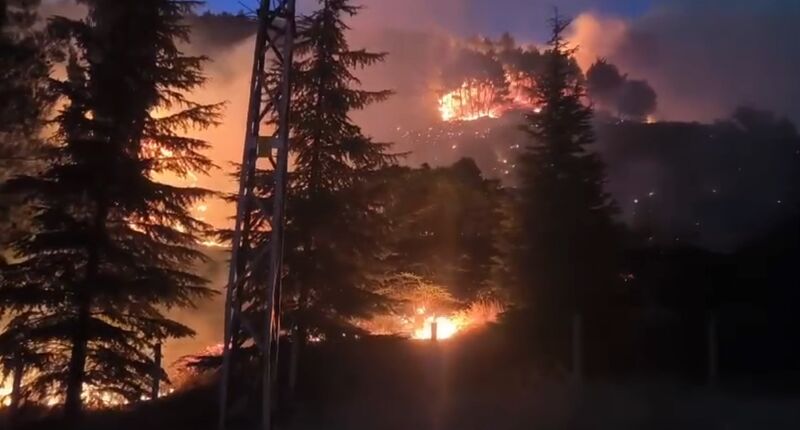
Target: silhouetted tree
567, 258
637, 100
604, 82
332, 223
23, 73
111, 248
445, 226
25, 99
334, 217
614, 92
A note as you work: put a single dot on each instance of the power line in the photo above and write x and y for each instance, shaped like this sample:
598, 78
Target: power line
274, 49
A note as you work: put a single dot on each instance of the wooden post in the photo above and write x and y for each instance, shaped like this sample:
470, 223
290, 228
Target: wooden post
434, 330
577, 347
156, 387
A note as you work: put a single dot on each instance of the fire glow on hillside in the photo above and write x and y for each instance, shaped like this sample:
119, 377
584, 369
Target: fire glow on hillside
419, 325
94, 398
476, 99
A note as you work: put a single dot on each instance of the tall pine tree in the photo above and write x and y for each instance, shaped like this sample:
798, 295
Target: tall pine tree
111, 248
334, 213
24, 72
567, 259
23, 75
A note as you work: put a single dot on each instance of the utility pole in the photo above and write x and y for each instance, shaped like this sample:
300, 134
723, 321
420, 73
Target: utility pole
270, 94
155, 389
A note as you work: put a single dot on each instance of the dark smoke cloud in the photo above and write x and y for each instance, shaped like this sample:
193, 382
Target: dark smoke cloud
704, 58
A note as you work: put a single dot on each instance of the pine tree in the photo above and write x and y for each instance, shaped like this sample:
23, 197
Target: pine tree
567, 255
334, 218
111, 248
24, 71
445, 225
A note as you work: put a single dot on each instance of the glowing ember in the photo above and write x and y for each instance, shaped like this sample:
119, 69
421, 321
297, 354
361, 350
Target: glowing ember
93, 397
418, 322
445, 328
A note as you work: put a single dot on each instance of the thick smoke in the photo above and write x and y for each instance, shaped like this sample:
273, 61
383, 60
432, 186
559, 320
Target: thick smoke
705, 58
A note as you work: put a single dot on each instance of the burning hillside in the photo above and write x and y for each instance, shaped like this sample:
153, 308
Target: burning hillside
486, 79
476, 99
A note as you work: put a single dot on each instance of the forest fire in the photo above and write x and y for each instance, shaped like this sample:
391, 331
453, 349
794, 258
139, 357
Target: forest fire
420, 323
476, 99
470, 102
94, 398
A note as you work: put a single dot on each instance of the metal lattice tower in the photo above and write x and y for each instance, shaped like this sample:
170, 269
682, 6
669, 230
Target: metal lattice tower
270, 97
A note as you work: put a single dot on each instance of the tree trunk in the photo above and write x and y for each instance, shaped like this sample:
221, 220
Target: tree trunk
294, 361
76, 373
74, 404
577, 348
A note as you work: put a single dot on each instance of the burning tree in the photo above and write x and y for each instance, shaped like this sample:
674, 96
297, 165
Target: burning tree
110, 248
475, 87
567, 258
488, 78
521, 65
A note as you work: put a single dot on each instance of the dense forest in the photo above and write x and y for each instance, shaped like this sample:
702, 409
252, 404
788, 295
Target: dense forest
546, 239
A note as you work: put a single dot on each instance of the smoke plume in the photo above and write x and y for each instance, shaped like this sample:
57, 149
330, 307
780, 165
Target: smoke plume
704, 58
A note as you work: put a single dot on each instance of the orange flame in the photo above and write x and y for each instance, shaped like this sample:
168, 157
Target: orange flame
476, 99
473, 100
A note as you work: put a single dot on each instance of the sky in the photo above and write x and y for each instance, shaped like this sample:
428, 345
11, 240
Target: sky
521, 17
623, 7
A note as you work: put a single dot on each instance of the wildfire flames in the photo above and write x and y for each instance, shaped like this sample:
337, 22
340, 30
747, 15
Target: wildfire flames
476, 99
473, 100
93, 397
419, 325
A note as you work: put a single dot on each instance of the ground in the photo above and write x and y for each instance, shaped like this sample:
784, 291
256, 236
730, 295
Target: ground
420, 385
